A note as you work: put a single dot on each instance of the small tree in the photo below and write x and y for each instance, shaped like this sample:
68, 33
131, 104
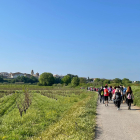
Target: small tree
46, 79
57, 80
66, 79
75, 81
33, 79
117, 80
82, 80
97, 80
106, 82
126, 81
1, 79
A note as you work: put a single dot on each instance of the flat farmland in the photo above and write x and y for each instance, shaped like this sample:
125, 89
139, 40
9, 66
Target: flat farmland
46, 113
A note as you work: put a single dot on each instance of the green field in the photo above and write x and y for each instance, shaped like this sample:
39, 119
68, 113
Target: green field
53, 113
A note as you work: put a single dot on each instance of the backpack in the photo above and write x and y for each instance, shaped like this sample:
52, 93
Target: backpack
99, 91
102, 92
121, 88
124, 90
129, 96
110, 89
118, 96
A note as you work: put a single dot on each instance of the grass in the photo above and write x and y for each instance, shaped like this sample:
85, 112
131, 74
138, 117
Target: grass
136, 92
20, 87
77, 123
72, 116
34, 87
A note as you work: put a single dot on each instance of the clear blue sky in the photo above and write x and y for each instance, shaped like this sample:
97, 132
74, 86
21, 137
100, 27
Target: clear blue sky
95, 38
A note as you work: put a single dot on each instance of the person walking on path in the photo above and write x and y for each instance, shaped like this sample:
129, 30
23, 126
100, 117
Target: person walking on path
113, 93
106, 94
124, 93
121, 89
101, 94
129, 95
117, 98
110, 93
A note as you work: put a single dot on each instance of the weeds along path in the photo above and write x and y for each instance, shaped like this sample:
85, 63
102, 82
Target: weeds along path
77, 123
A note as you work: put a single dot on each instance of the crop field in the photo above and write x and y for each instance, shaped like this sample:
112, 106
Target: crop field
20, 87
45, 113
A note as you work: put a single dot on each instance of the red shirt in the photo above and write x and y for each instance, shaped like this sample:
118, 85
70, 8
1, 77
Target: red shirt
113, 91
106, 92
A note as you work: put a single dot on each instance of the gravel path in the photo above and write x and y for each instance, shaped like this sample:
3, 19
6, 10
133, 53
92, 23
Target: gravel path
123, 124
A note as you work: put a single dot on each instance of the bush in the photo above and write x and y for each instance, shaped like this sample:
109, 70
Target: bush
75, 81
66, 79
46, 79
39, 84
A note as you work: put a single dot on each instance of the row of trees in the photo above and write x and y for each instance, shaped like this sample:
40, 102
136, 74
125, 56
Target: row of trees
47, 79
24, 79
124, 81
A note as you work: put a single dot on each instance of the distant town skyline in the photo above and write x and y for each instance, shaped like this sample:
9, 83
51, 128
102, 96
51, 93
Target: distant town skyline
55, 75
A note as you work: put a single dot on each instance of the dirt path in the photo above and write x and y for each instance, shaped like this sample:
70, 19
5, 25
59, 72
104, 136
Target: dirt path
123, 124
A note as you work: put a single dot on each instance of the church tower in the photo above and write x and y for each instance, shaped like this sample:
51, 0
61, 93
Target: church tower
37, 74
32, 72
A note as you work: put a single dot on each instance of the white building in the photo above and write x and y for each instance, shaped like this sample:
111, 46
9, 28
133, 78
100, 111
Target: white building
15, 75
4, 74
134, 81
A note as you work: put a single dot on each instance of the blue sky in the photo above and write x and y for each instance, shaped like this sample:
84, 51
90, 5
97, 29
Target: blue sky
95, 38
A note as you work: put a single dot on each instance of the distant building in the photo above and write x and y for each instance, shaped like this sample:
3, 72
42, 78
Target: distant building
15, 75
35, 75
32, 72
27, 75
134, 81
58, 76
91, 80
4, 74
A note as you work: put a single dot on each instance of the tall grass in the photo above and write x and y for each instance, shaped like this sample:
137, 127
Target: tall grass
136, 92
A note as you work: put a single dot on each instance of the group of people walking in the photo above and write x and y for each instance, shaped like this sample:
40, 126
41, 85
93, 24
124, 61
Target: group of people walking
92, 89
118, 95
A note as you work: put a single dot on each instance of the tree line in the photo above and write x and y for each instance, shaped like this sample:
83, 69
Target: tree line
47, 79
24, 79
115, 81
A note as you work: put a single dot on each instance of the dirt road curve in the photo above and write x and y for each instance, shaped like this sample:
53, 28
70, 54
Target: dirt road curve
123, 124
